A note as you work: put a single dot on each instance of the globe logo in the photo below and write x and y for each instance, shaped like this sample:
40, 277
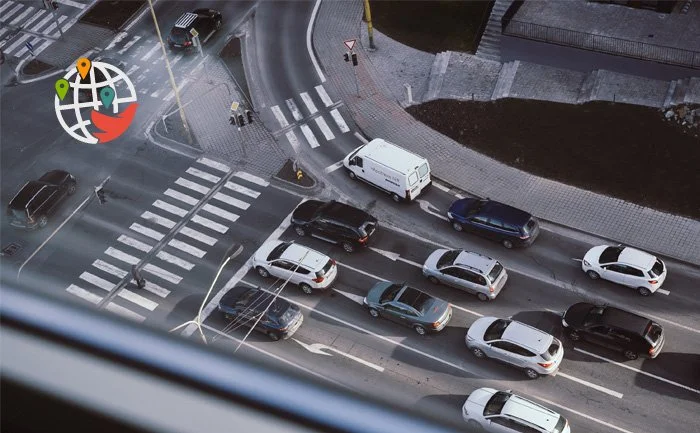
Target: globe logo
95, 102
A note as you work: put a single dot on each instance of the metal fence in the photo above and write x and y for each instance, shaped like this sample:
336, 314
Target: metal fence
603, 44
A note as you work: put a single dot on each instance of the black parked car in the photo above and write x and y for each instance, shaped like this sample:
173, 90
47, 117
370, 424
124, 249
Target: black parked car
244, 305
334, 222
493, 220
38, 199
615, 329
205, 21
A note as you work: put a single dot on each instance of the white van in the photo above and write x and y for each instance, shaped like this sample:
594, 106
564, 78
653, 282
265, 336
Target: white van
395, 170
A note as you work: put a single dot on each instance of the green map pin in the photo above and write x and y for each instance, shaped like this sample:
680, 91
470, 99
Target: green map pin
62, 87
107, 96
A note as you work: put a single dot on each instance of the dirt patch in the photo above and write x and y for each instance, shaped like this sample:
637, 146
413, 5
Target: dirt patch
625, 151
289, 174
36, 67
433, 26
112, 14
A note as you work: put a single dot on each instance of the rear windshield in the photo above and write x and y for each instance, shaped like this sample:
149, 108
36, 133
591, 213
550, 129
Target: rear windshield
288, 316
416, 299
277, 252
653, 333
448, 258
423, 170
530, 226
390, 293
496, 403
496, 329
561, 425
551, 351
368, 229
658, 268
496, 271
412, 178
178, 35
325, 269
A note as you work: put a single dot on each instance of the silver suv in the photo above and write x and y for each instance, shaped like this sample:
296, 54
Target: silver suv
515, 343
466, 270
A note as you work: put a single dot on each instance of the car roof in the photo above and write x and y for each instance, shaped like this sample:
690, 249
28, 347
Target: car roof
26, 194
475, 260
637, 258
521, 408
401, 159
505, 213
413, 297
527, 336
625, 320
185, 20
344, 213
312, 259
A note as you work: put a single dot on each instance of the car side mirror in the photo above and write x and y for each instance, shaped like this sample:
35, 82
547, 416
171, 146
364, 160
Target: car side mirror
351, 162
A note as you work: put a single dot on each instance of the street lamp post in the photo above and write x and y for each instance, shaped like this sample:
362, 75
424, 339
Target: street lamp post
197, 321
368, 16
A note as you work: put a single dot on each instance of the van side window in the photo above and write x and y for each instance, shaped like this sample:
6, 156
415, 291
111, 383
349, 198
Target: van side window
412, 178
358, 161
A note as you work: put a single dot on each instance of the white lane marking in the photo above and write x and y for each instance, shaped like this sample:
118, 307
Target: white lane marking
308, 102
176, 59
137, 299
151, 52
687, 388
171, 94
319, 348
202, 174
426, 207
167, 257
152, 269
591, 385
129, 44
72, 3
376, 277
169, 208
242, 189
440, 186
333, 167
132, 69
240, 204
663, 292
321, 122
358, 299
395, 256
19, 17
134, 243
82, 293
252, 178
327, 101
157, 92
296, 114
165, 222
279, 116
120, 36
292, 138
466, 310
339, 121
121, 311
581, 414
206, 222
192, 185
659, 319
214, 164
360, 137
182, 197
309, 29
220, 212
97, 281
310, 137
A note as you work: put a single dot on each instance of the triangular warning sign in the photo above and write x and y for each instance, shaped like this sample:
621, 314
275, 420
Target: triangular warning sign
350, 43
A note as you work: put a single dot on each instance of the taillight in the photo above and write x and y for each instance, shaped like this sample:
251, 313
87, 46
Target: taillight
492, 289
435, 325
545, 364
652, 350
333, 262
187, 43
317, 279
524, 236
408, 194
363, 240
653, 281
30, 220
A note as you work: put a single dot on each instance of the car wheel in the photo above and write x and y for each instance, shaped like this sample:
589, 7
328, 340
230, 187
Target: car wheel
593, 275
575, 336
306, 288
630, 354
507, 243
262, 272
474, 425
273, 335
396, 198
433, 280
457, 226
532, 374
374, 313
43, 220
300, 230
644, 291
482, 297
218, 24
71, 188
348, 247
478, 353
352, 175
419, 329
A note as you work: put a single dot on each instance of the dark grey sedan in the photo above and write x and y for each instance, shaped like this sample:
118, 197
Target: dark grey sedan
409, 306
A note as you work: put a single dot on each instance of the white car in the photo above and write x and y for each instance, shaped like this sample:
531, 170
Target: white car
466, 270
626, 266
303, 266
502, 411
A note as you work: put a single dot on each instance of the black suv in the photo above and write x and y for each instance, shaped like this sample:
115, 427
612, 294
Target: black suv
244, 306
615, 329
205, 21
493, 220
38, 199
334, 222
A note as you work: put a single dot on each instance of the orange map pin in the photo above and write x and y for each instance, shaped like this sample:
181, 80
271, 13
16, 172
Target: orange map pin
83, 66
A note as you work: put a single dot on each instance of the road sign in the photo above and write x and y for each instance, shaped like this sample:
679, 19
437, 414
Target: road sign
194, 32
350, 43
29, 47
234, 106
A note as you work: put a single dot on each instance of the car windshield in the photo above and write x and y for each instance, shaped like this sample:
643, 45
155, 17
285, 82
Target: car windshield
496, 403
496, 329
610, 254
390, 293
496, 271
594, 315
415, 298
243, 300
19, 213
653, 333
561, 425
325, 269
423, 170
178, 35
448, 258
658, 268
551, 351
277, 252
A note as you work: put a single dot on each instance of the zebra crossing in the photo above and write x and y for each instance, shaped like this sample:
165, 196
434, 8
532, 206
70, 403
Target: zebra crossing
187, 248
38, 21
309, 118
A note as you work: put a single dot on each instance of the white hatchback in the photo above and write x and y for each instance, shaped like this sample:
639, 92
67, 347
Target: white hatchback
626, 266
303, 266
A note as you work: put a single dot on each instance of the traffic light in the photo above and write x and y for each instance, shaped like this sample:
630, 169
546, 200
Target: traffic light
346, 56
240, 119
354, 59
50, 5
249, 115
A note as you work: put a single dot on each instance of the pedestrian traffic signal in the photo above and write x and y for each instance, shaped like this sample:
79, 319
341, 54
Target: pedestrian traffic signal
346, 56
249, 115
240, 119
354, 59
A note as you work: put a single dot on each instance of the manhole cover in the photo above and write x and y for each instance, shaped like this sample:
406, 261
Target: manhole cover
11, 249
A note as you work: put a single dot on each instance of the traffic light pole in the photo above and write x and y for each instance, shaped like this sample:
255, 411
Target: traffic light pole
51, 5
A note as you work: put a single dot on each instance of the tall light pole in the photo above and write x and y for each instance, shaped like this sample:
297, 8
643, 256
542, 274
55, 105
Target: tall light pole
170, 74
230, 254
368, 17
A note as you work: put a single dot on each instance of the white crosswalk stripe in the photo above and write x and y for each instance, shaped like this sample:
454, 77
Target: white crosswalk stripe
6, 5
124, 312
132, 69
339, 121
182, 246
252, 178
220, 212
129, 44
310, 137
21, 16
194, 234
170, 208
82, 293
206, 222
279, 116
14, 10
242, 189
152, 269
111, 269
72, 3
240, 204
296, 114
323, 95
134, 243
308, 102
192, 185
37, 42
151, 52
118, 38
167, 257
97, 281
292, 137
137, 299
182, 197
321, 122
176, 59
203, 174
214, 164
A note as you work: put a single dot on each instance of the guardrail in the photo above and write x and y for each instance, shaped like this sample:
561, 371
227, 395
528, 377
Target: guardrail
602, 43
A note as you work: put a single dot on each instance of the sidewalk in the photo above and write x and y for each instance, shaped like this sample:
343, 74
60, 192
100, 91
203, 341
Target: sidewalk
378, 114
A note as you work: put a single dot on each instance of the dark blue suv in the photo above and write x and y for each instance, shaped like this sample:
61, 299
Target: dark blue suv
493, 220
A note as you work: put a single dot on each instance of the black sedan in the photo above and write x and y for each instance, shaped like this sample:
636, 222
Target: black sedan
244, 306
38, 199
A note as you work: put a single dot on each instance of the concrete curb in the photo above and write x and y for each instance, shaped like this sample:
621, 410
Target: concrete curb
166, 143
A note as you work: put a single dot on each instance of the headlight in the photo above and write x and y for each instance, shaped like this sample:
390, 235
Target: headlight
564, 324
364, 300
449, 215
586, 263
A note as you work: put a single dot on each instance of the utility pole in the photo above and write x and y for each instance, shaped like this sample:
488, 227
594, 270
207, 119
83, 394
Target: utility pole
170, 74
368, 17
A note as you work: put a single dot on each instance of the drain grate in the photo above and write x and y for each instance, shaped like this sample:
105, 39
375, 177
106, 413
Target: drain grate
11, 249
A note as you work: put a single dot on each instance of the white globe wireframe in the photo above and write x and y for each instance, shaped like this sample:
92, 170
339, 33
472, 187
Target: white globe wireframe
71, 101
